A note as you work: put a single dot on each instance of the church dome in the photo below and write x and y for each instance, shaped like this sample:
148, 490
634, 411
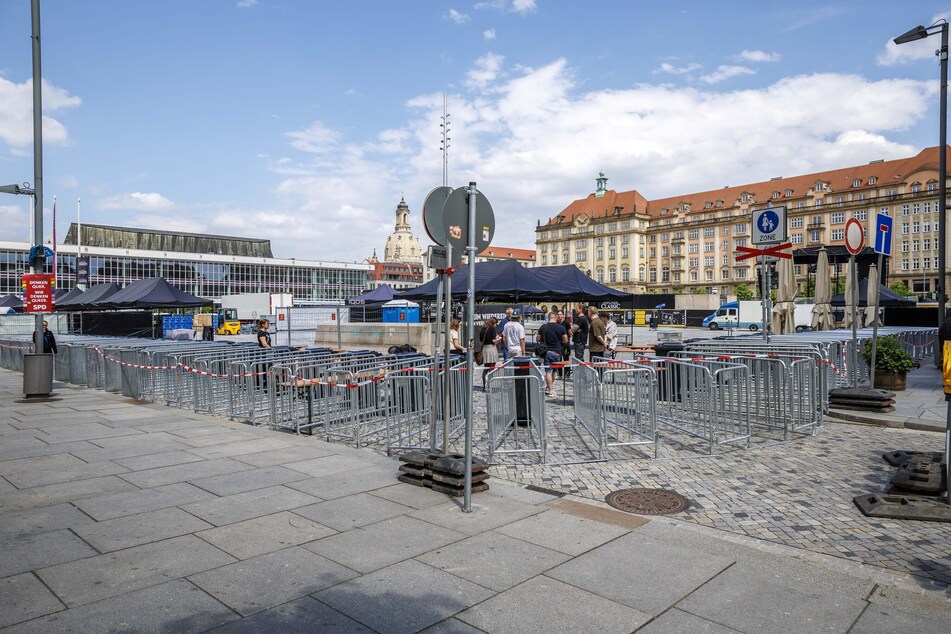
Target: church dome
402, 245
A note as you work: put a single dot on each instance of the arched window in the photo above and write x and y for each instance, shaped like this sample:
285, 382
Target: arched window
612, 275
653, 274
600, 274
625, 274
640, 274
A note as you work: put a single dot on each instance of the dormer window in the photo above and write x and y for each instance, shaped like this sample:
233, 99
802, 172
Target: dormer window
719, 203
663, 212
820, 186
774, 195
707, 205
857, 182
872, 180
788, 192
744, 198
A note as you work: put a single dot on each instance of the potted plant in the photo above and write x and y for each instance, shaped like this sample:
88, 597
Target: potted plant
892, 362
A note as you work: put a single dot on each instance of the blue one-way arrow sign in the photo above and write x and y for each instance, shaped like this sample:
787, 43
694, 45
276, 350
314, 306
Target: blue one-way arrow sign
883, 234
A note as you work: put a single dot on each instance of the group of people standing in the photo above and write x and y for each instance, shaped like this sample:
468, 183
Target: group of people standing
501, 340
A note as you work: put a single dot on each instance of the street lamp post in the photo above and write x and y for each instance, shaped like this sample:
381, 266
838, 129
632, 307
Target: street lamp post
919, 33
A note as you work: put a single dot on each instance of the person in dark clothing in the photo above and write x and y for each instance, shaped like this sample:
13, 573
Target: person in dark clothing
490, 351
49, 341
580, 336
263, 336
555, 337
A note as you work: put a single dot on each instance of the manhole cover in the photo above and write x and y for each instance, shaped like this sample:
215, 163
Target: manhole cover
648, 501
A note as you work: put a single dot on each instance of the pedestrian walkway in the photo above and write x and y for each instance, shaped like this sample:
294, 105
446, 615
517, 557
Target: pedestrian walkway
122, 516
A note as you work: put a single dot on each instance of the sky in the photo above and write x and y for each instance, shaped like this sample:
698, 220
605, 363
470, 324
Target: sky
306, 122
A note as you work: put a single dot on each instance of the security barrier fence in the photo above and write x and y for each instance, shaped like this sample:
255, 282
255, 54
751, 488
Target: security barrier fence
720, 391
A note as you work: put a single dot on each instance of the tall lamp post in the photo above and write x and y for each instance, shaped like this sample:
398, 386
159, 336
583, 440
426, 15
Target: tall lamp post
920, 33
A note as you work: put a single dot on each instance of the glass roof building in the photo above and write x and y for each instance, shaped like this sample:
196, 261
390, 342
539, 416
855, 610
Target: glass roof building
205, 265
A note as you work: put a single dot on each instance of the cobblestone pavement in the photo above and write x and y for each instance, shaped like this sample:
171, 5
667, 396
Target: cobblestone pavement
798, 493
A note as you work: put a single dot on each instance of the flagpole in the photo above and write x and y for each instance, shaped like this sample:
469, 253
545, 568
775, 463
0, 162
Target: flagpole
79, 242
54, 241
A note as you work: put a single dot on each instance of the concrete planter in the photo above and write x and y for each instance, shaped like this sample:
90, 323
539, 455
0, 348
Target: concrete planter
886, 380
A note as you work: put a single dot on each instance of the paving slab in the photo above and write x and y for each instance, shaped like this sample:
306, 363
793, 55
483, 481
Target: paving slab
451, 626
240, 447
644, 573
266, 534
352, 511
493, 560
24, 597
30, 552
63, 492
674, 620
543, 604
287, 455
121, 572
157, 460
488, 512
406, 597
409, 495
174, 607
231, 483
244, 506
267, 581
130, 446
736, 597
881, 619
327, 465
184, 472
83, 431
135, 530
41, 520
302, 616
347, 483
563, 532
34, 477
105, 507
384, 543
222, 436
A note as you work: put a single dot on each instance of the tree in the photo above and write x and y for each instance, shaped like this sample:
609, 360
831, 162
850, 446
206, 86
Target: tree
900, 288
699, 291
744, 293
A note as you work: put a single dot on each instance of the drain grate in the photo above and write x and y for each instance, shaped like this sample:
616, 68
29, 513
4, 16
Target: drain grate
648, 501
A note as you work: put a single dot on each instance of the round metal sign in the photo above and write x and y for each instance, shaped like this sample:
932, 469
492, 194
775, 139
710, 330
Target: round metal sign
455, 220
854, 236
432, 214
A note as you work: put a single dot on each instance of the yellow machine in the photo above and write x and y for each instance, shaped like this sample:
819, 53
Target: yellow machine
228, 323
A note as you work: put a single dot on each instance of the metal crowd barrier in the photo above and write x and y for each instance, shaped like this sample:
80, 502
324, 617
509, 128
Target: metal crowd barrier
516, 409
786, 391
704, 398
616, 403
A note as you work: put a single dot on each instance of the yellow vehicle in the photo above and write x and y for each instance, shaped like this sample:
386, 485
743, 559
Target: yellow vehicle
228, 323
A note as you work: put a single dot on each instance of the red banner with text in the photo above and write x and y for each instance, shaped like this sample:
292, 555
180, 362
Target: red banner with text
38, 290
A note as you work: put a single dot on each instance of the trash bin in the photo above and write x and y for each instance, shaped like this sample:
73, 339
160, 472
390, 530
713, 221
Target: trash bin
668, 379
523, 368
37, 374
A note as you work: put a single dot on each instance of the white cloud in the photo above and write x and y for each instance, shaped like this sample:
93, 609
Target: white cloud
677, 70
523, 6
16, 113
244, 4
137, 201
485, 71
15, 220
534, 141
759, 56
317, 139
458, 18
488, 34
723, 72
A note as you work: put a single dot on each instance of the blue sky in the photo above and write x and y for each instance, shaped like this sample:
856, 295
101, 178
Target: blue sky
305, 122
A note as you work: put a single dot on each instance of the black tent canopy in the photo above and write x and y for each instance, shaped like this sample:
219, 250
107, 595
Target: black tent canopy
505, 280
886, 296
381, 294
86, 299
152, 292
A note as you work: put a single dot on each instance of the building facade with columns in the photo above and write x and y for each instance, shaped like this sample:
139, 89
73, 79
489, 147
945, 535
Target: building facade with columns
687, 243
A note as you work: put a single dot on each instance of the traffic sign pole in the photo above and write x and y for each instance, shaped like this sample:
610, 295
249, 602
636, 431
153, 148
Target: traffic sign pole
470, 366
855, 303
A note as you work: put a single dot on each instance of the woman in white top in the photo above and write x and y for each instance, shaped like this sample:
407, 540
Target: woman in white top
455, 346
